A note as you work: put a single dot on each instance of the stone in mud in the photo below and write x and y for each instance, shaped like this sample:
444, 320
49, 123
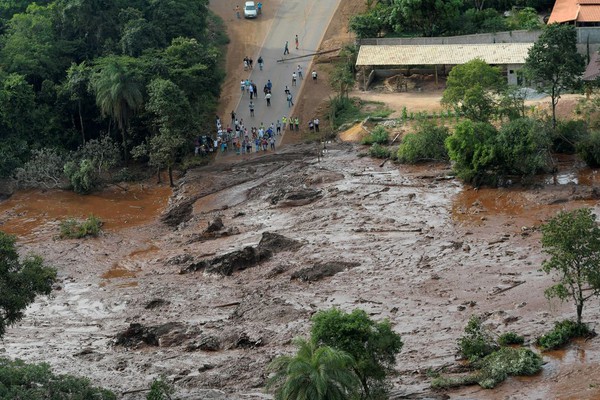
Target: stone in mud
277, 243
215, 225
245, 342
322, 270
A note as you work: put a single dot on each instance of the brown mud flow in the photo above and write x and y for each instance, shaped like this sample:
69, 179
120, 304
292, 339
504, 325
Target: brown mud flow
118, 209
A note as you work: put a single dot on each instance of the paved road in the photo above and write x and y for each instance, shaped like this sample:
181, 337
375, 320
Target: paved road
309, 20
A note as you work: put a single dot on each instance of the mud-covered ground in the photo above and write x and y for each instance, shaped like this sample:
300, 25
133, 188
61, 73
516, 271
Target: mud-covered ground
405, 243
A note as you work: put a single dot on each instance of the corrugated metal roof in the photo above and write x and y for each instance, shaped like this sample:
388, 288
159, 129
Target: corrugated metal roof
564, 11
451, 54
589, 14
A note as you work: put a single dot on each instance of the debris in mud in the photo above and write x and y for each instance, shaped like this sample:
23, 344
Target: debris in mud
215, 225
216, 229
295, 198
180, 259
248, 257
245, 342
323, 270
166, 335
205, 343
182, 212
156, 303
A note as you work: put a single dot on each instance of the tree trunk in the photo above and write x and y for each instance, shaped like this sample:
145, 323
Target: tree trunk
579, 311
81, 121
170, 169
158, 175
124, 135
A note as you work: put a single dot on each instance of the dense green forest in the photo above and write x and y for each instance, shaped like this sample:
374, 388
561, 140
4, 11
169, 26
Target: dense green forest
81, 79
448, 17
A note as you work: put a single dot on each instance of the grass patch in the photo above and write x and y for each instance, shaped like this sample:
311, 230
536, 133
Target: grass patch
379, 135
447, 382
562, 334
508, 338
192, 161
379, 151
72, 228
343, 110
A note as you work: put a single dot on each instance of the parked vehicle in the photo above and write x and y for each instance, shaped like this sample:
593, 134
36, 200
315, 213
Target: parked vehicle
250, 10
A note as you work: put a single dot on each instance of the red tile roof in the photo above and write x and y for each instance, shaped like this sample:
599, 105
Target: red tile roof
575, 10
564, 11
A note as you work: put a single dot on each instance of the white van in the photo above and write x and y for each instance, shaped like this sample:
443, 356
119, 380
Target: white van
250, 10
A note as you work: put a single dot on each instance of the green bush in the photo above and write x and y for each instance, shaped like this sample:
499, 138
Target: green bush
567, 136
562, 334
379, 135
509, 338
523, 147
19, 380
426, 144
74, 229
343, 110
83, 176
507, 361
477, 341
589, 149
379, 151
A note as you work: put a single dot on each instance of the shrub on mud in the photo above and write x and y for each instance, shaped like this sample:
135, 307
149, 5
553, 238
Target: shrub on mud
426, 144
82, 176
74, 229
567, 136
589, 149
379, 135
19, 380
509, 338
507, 361
477, 342
379, 151
562, 334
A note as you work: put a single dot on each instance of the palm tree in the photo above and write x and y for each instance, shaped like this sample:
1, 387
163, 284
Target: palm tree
314, 373
118, 94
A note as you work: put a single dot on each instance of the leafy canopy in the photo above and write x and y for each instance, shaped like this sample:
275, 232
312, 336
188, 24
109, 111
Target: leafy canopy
473, 89
372, 345
315, 372
21, 280
554, 64
572, 239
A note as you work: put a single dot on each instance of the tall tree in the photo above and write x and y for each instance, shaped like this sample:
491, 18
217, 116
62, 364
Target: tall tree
76, 85
474, 89
314, 373
554, 64
174, 120
428, 17
372, 345
572, 239
20, 281
118, 93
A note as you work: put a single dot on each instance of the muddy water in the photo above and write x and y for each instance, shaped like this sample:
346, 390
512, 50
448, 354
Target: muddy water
27, 211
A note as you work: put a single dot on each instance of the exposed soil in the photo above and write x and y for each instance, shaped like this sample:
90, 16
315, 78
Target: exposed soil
406, 243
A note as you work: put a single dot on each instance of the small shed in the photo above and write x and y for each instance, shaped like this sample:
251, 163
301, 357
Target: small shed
509, 56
